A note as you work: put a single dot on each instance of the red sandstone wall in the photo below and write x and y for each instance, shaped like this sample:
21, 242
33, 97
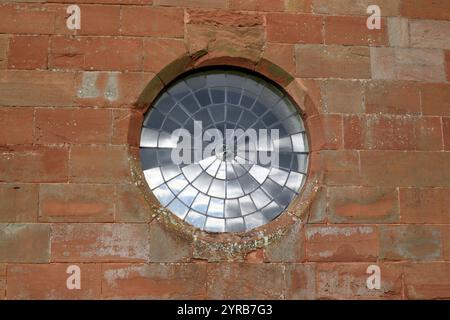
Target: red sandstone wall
377, 105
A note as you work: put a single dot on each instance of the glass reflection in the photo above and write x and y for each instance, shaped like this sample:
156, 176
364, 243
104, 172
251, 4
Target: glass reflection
228, 191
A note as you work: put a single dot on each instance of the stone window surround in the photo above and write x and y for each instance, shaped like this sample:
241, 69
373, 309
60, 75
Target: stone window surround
229, 244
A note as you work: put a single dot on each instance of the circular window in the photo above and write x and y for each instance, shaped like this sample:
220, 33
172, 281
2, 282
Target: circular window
224, 150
